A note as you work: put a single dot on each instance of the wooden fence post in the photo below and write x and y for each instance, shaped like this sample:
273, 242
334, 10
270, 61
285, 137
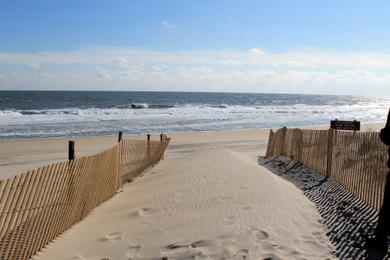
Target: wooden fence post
119, 161
148, 146
71, 150
162, 137
283, 144
331, 135
120, 136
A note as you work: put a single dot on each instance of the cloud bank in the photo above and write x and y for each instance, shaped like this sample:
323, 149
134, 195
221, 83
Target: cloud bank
253, 70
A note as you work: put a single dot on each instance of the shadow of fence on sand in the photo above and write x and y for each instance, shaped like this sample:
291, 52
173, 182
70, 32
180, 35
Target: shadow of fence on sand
350, 222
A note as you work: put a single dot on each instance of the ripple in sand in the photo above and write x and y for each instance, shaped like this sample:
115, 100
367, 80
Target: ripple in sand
224, 198
114, 236
245, 207
144, 212
228, 221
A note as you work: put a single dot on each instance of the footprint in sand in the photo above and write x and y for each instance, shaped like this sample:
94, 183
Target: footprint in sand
114, 236
175, 250
133, 250
185, 251
200, 243
272, 257
261, 235
178, 246
145, 212
242, 254
134, 214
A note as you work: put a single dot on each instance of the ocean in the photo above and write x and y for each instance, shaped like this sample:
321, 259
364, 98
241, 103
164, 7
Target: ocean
31, 114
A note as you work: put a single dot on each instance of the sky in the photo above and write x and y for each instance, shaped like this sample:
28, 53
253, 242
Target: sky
301, 46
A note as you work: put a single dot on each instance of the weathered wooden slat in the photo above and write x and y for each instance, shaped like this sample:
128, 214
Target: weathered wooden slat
24, 228
19, 211
47, 208
356, 160
54, 218
8, 208
32, 217
11, 214
4, 198
9, 190
39, 205
15, 236
31, 247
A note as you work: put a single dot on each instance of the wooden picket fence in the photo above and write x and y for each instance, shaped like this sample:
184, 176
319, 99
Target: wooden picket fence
39, 205
355, 160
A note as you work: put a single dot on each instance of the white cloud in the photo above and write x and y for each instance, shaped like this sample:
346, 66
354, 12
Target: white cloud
34, 66
102, 73
167, 25
255, 56
254, 70
256, 51
123, 61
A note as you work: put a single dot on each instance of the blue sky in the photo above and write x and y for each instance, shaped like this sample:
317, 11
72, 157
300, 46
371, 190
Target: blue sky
336, 47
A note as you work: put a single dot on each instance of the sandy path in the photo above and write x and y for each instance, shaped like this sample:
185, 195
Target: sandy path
211, 203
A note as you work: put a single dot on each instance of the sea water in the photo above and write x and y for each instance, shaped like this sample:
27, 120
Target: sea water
28, 114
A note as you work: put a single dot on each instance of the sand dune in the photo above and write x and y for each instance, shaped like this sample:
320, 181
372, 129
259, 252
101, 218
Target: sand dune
207, 204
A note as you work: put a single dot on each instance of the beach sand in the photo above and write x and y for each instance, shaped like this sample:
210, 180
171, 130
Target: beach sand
208, 199
22, 155
19, 156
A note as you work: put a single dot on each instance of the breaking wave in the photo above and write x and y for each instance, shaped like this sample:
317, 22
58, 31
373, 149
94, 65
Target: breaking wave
137, 118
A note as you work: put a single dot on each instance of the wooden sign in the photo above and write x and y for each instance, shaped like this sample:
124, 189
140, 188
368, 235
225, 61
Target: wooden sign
345, 125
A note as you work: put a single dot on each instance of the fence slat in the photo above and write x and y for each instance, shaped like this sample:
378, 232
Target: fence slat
23, 229
52, 216
19, 211
39, 205
30, 247
12, 212
46, 209
28, 238
356, 160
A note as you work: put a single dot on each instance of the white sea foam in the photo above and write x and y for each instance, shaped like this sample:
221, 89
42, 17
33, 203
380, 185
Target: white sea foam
74, 121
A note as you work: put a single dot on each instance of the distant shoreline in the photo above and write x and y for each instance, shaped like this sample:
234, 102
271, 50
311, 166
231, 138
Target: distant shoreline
366, 126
